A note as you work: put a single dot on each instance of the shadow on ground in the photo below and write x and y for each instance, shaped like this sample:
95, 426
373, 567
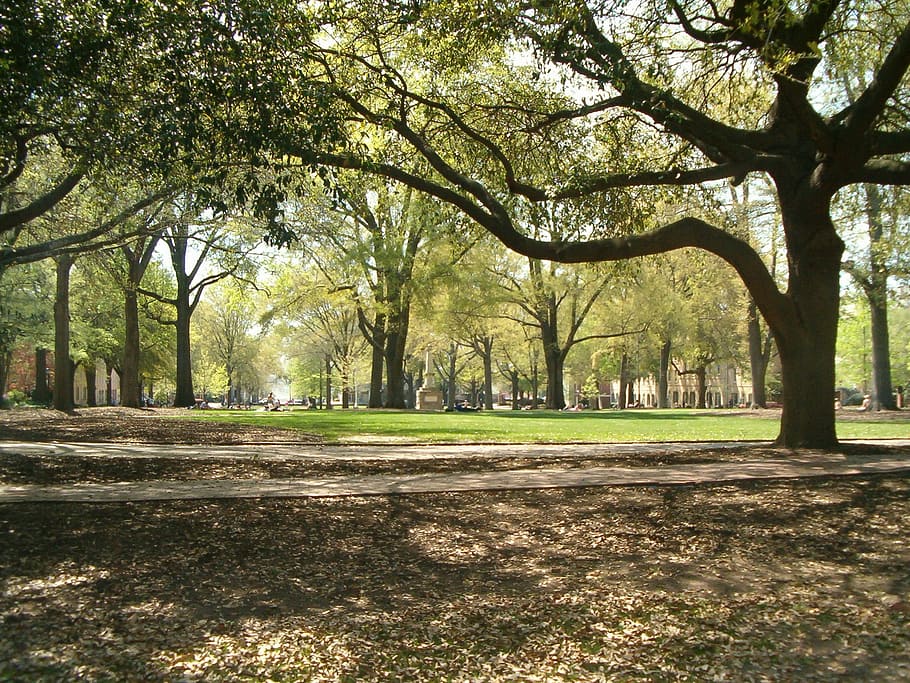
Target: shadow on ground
804, 580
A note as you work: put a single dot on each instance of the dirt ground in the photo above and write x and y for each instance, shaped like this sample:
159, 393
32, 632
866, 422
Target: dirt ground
766, 581
138, 425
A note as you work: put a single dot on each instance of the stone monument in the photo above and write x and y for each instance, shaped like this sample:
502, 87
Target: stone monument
428, 397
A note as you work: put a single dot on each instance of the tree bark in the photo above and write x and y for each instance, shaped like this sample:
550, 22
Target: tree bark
488, 373
185, 395
63, 375
91, 387
758, 358
807, 340
663, 380
377, 365
882, 389
6, 358
701, 382
396, 341
328, 383
876, 290
42, 393
129, 380
624, 381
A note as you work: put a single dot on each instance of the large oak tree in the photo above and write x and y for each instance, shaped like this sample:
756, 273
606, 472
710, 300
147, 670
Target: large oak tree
656, 69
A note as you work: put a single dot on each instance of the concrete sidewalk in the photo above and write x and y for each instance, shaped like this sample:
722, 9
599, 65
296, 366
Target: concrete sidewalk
804, 465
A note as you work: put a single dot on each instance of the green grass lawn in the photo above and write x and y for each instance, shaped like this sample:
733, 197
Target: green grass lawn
548, 426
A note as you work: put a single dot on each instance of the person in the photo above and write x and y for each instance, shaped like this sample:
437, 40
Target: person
867, 402
270, 402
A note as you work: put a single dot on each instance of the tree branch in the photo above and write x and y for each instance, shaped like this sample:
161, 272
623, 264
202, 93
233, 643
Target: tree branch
41, 205
869, 105
82, 241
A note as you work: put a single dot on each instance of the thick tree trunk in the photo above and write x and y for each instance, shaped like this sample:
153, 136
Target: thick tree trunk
396, 341
556, 397
63, 375
663, 380
394, 358
806, 340
375, 335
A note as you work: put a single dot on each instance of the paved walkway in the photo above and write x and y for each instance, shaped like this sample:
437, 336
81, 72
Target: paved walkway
803, 465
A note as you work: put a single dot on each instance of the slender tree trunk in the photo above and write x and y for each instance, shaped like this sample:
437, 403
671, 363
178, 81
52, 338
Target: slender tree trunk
91, 386
876, 291
129, 380
663, 380
513, 383
6, 359
42, 393
345, 387
453, 360
624, 381
882, 389
758, 358
488, 374
328, 383
701, 383
63, 375
377, 365
108, 389
185, 395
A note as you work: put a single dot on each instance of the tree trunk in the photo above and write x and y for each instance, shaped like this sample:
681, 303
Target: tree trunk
42, 393
882, 390
624, 381
453, 360
6, 359
91, 387
513, 381
663, 380
488, 376
701, 383
328, 383
806, 339
377, 364
63, 376
185, 396
108, 389
876, 290
396, 343
375, 335
556, 397
129, 380
758, 358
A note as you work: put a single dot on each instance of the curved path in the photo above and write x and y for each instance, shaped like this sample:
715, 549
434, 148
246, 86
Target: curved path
810, 464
